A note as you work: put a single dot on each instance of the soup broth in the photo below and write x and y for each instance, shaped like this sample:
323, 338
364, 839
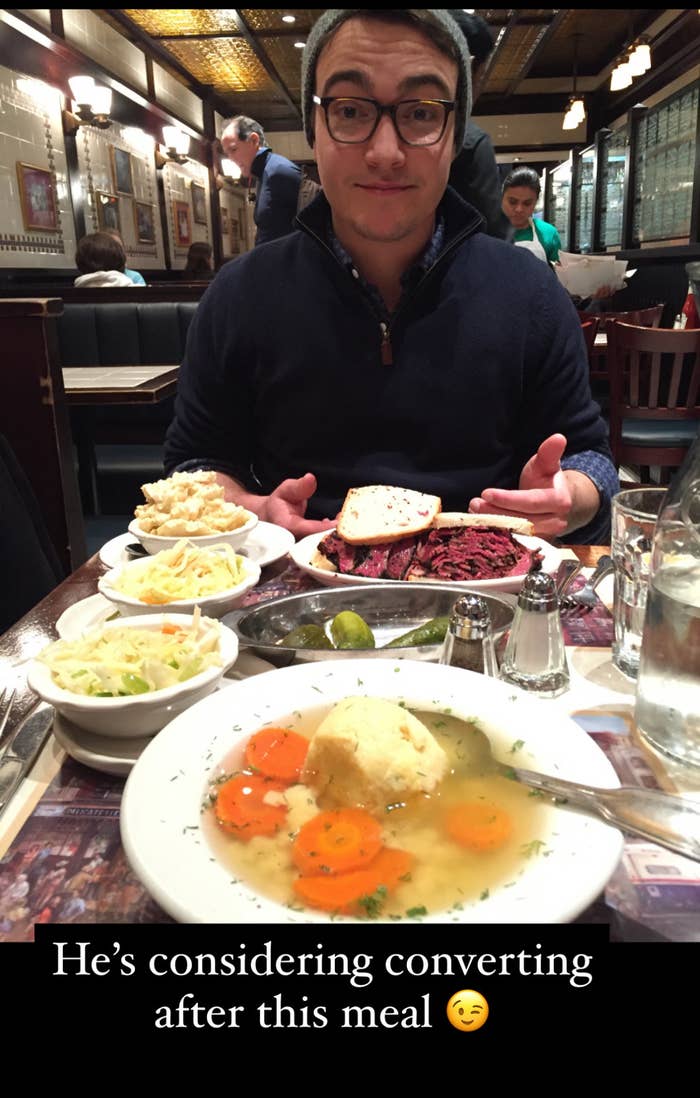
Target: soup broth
445, 875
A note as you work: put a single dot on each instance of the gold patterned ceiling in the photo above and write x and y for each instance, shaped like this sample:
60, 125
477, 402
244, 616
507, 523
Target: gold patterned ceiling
247, 60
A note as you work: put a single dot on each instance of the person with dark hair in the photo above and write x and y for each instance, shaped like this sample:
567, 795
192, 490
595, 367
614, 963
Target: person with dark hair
101, 260
474, 172
390, 340
521, 189
199, 266
136, 278
278, 179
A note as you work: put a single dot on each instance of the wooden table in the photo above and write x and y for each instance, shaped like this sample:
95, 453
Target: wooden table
90, 387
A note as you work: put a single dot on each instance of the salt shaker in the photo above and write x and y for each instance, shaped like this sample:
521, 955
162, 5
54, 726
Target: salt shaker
535, 658
469, 640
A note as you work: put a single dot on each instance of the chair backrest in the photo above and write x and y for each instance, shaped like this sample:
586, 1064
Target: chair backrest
642, 318
589, 329
654, 393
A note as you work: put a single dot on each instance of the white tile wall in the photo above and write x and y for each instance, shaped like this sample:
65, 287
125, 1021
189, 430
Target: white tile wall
177, 180
31, 132
171, 93
99, 41
96, 174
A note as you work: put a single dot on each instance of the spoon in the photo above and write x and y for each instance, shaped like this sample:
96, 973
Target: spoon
667, 819
135, 549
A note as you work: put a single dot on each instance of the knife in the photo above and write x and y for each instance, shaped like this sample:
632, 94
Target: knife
21, 751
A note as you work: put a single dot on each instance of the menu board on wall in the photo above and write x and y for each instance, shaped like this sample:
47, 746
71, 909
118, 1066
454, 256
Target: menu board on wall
584, 202
664, 165
612, 191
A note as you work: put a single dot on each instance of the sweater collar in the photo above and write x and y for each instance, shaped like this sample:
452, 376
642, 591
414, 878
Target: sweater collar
460, 221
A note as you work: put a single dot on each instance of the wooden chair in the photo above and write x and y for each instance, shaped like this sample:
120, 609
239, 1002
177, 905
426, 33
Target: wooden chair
642, 318
589, 329
654, 395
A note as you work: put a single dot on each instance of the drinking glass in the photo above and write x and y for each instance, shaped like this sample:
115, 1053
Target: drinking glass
634, 515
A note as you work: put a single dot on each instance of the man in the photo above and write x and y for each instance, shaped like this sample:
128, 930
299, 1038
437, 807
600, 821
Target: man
474, 172
278, 180
391, 341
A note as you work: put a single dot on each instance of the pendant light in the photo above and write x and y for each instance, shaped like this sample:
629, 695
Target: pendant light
576, 110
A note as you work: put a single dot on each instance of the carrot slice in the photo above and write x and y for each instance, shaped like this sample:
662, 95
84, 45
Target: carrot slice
337, 841
349, 893
240, 807
479, 826
277, 752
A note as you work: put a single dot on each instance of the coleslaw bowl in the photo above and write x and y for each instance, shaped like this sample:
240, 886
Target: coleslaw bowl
213, 606
138, 714
153, 543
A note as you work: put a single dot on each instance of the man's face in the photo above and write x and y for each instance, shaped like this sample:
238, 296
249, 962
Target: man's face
241, 152
518, 204
383, 190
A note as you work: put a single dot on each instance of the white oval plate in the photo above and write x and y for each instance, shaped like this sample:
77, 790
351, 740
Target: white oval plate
264, 545
160, 814
302, 554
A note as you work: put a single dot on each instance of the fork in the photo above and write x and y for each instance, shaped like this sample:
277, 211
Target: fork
586, 598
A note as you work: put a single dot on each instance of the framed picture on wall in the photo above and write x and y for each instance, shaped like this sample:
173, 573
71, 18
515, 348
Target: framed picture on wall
235, 237
37, 195
144, 220
182, 223
121, 170
107, 206
224, 221
199, 204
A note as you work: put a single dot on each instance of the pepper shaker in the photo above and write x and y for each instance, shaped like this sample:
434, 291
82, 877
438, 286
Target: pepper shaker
535, 658
469, 640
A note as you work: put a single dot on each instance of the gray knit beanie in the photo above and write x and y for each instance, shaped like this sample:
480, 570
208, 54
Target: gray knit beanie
437, 17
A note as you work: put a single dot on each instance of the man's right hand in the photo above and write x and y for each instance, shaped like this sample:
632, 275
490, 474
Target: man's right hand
285, 506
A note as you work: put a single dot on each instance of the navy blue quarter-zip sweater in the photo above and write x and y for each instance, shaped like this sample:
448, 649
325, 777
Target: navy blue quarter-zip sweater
284, 370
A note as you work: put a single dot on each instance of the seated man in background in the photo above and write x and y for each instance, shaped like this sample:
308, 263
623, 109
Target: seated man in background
390, 340
101, 260
278, 179
136, 278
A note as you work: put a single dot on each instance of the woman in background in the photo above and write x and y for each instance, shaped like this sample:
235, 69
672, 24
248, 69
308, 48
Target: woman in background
101, 261
521, 189
199, 264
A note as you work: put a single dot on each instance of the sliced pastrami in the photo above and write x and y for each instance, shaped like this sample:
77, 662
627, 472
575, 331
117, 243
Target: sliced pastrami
400, 556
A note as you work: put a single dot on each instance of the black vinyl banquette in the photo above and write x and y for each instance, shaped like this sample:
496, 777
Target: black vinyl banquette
124, 328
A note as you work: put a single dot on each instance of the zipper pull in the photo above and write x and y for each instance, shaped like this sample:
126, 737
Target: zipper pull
386, 351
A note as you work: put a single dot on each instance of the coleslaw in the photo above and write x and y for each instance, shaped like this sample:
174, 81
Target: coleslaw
122, 662
182, 572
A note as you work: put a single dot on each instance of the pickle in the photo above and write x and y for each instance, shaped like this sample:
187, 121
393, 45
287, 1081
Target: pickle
306, 636
349, 630
432, 632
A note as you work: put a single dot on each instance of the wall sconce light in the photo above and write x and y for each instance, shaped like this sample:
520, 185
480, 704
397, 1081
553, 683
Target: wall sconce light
91, 106
177, 146
640, 57
576, 110
621, 76
228, 172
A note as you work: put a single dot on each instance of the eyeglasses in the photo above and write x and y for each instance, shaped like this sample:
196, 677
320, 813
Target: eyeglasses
351, 121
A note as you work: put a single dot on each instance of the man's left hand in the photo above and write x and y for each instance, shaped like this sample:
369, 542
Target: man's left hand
544, 495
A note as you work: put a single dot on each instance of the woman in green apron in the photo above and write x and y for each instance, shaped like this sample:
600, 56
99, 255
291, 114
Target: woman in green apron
521, 189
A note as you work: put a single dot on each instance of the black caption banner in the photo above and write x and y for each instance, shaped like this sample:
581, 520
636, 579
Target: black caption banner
459, 988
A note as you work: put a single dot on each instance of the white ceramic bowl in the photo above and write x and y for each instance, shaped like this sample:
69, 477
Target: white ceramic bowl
212, 606
165, 834
140, 714
153, 543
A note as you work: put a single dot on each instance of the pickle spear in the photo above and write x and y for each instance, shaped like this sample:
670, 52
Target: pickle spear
431, 632
306, 636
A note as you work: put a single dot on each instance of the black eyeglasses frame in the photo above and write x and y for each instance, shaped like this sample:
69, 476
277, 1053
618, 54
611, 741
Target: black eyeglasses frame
385, 108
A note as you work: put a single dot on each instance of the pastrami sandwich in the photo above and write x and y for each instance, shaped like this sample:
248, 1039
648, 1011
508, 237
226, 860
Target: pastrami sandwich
393, 533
